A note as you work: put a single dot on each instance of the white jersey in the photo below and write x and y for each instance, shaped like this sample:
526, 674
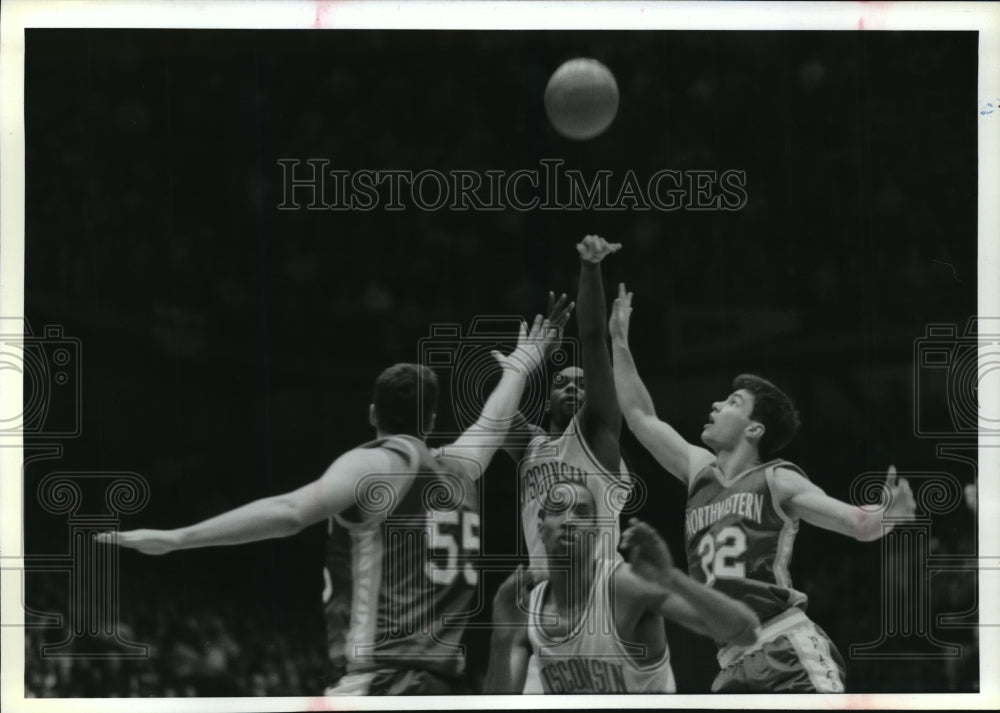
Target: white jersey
550, 460
592, 658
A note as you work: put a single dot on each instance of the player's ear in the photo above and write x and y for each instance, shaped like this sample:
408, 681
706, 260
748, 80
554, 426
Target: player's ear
371, 416
755, 431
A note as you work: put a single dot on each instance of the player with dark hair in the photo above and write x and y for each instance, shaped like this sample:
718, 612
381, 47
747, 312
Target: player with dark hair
407, 524
743, 511
595, 625
405, 396
773, 409
580, 445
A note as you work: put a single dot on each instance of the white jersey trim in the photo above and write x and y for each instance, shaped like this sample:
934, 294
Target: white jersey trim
367, 550
783, 556
769, 475
537, 601
621, 474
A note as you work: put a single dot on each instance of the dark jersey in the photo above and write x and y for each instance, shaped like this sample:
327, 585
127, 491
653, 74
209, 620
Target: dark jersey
404, 582
738, 539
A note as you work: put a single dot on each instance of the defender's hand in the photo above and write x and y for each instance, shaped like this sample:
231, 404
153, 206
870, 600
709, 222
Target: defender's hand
647, 553
535, 345
555, 323
594, 248
899, 496
621, 311
149, 542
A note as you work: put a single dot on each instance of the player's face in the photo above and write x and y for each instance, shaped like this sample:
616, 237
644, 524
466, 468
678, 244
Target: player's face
728, 420
567, 393
568, 521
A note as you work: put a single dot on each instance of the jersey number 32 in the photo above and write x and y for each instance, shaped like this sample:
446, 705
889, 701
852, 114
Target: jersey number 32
720, 554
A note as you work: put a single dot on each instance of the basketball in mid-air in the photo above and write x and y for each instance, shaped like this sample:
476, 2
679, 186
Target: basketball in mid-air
581, 98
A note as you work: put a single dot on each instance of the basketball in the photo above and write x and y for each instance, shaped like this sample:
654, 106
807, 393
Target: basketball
581, 98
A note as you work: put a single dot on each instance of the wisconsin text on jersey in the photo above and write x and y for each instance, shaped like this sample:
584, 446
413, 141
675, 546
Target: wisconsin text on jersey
538, 479
589, 675
747, 505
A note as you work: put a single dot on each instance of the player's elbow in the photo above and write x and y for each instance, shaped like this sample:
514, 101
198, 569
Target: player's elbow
288, 518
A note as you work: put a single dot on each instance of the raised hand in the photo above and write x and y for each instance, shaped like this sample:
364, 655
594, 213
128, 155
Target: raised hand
555, 323
621, 311
534, 345
647, 553
594, 248
149, 542
901, 504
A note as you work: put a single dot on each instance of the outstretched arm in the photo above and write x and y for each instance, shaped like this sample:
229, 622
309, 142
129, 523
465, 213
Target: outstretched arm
709, 612
671, 451
490, 431
600, 417
276, 516
661, 587
801, 498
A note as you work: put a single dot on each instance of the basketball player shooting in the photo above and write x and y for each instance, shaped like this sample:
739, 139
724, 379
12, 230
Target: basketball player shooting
595, 625
580, 445
743, 510
408, 602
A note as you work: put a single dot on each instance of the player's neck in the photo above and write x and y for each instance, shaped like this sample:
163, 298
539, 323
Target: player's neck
556, 427
735, 461
570, 587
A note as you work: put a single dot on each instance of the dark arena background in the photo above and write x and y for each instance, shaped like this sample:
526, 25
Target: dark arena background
227, 349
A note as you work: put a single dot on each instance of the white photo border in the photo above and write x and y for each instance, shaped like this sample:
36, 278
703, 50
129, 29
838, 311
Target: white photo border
18, 15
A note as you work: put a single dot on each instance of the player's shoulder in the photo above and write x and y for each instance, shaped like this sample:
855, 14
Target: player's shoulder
786, 470
391, 452
786, 479
453, 461
699, 459
538, 436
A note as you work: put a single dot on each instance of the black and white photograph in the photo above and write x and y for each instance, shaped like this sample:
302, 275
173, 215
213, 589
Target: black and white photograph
468, 355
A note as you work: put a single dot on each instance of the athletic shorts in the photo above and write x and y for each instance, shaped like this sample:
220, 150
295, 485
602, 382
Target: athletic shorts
793, 655
395, 682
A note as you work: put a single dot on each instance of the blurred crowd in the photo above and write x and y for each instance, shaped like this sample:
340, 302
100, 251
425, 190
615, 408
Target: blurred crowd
193, 650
